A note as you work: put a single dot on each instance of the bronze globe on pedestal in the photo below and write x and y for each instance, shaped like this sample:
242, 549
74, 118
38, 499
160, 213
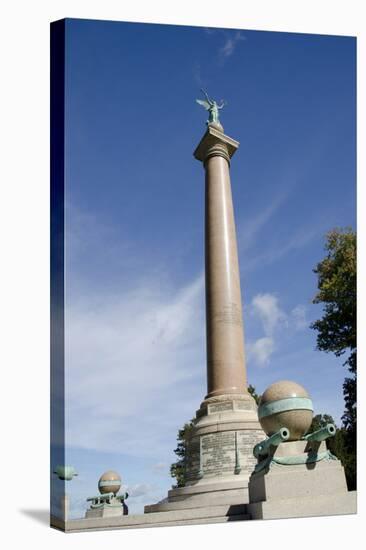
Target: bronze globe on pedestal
286, 404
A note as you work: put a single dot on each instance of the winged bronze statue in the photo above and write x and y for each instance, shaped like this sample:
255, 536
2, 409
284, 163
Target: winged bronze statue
212, 107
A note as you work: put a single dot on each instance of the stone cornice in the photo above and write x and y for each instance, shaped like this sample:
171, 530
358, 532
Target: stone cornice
215, 143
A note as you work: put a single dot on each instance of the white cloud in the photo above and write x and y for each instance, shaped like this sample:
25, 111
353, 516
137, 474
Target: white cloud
230, 44
299, 240
266, 307
131, 362
249, 229
261, 350
298, 315
134, 344
274, 320
140, 489
232, 38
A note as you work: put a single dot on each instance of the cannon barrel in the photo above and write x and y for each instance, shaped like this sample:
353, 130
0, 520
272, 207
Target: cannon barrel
105, 496
323, 433
262, 448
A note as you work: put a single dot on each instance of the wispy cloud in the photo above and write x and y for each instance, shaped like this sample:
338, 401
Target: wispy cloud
132, 335
249, 230
231, 40
298, 315
122, 355
275, 245
140, 489
197, 75
231, 43
250, 234
274, 320
261, 350
266, 307
300, 239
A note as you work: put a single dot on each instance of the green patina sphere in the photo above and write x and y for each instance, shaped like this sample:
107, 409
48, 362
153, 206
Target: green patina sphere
285, 404
109, 482
65, 473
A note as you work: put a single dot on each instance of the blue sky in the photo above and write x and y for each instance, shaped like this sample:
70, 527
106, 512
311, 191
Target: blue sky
135, 332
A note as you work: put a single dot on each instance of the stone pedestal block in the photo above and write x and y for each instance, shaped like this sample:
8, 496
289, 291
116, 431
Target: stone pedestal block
318, 505
106, 510
219, 457
284, 489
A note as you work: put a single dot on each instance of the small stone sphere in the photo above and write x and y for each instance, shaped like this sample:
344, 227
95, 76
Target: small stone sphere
109, 482
285, 404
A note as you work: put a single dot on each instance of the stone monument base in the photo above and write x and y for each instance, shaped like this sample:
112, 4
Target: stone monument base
105, 511
196, 516
222, 493
304, 507
219, 457
294, 483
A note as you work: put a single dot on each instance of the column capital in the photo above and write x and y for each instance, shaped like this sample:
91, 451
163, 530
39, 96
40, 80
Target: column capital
215, 143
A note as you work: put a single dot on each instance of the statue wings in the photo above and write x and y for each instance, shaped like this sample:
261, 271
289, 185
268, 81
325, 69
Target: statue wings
204, 104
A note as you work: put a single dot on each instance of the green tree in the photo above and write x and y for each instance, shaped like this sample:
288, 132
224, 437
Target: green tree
337, 328
177, 469
319, 421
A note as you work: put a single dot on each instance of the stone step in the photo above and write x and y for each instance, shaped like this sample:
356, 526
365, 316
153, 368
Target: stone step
307, 506
228, 504
216, 484
222, 519
210, 514
206, 499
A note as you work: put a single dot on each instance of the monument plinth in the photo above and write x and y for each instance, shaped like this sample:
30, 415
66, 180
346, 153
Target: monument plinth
219, 458
296, 475
108, 503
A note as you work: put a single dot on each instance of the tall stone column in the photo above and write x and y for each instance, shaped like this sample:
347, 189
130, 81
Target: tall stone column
226, 372
219, 454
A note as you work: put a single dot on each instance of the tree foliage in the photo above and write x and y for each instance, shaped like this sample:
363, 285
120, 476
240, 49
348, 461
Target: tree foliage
337, 278
320, 421
334, 444
337, 291
337, 445
177, 469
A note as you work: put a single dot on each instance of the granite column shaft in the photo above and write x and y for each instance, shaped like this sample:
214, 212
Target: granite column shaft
226, 371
